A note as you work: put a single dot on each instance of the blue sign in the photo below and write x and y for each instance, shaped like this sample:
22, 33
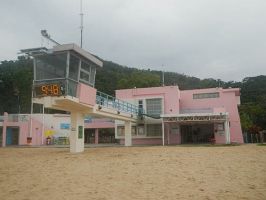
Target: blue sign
65, 126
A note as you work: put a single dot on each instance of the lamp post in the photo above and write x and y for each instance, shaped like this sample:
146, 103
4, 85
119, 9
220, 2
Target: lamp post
16, 93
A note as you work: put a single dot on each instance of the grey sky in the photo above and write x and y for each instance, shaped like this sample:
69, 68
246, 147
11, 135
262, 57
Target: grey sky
223, 39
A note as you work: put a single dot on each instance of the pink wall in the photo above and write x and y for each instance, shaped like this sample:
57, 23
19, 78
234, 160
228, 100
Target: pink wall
170, 94
86, 94
37, 127
100, 123
174, 100
228, 101
144, 141
172, 134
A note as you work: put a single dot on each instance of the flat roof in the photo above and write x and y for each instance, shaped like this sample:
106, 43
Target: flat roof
77, 49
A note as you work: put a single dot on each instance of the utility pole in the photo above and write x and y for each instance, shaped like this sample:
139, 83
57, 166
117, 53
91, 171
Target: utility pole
163, 75
81, 24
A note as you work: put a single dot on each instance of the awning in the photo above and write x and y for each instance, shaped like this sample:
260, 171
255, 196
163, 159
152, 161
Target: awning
195, 117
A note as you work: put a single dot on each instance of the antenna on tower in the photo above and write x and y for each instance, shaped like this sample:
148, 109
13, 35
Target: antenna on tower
81, 23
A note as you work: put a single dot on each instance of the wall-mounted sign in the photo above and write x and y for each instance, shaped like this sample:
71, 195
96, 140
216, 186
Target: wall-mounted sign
64, 126
220, 127
80, 135
54, 89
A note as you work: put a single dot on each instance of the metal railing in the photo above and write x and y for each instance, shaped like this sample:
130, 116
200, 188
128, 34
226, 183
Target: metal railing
108, 101
2, 118
18, 118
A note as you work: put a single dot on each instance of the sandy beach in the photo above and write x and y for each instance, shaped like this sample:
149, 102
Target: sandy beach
176, 172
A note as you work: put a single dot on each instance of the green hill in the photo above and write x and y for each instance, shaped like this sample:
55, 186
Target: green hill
16, 79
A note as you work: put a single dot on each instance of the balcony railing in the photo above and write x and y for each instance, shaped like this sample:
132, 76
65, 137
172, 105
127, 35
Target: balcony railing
18, 118
108, 101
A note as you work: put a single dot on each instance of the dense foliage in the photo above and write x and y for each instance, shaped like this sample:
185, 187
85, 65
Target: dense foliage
16, 79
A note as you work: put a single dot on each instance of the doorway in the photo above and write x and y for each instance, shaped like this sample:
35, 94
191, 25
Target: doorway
107, 135
197, 133
89, 136
1, 135
12, 136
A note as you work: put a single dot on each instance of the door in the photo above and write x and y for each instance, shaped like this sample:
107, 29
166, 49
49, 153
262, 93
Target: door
89, 136
1, 135
12, 135
186, 134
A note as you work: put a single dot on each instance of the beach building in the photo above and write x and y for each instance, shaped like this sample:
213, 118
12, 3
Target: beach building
168, 116
173, 116
64, 79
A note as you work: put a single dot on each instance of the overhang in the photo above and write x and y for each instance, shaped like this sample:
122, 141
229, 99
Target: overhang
195, 117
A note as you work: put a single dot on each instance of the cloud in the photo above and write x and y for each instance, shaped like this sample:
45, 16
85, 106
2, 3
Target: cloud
204, 38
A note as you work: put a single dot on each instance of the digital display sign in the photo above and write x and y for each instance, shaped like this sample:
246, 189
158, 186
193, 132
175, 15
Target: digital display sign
54, 89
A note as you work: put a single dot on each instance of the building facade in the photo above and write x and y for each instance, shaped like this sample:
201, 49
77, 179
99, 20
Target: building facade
35, 129
168, 116
172, 116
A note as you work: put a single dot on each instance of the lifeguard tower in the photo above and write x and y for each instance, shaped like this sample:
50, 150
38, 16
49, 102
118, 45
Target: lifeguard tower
64, 79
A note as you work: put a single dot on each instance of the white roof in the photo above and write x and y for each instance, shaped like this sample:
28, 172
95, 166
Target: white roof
77, 49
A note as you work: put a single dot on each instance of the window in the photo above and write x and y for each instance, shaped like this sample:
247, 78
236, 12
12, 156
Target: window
51, 66
85, 73
206, 95
133, 130
141, 130
73, 67
140, 105
154, 129
72, 88
92, 75
154, 106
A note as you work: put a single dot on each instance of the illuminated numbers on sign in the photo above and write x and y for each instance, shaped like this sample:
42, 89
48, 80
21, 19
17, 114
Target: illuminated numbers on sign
50, 90
55, 89
44, 90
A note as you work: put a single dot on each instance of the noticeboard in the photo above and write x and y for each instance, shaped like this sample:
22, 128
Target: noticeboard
80, 135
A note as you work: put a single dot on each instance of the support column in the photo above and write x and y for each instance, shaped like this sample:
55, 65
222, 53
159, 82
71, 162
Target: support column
4, 129
96, 140
227, 131
128, 136
163, 132
169, 127
77, 132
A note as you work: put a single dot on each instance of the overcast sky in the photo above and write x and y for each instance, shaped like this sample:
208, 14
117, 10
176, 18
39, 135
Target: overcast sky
223, 39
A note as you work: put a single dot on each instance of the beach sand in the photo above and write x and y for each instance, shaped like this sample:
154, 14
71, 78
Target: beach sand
175, 172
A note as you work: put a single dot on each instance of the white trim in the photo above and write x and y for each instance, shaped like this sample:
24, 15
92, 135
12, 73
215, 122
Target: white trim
77, 49
163, 132
192, 114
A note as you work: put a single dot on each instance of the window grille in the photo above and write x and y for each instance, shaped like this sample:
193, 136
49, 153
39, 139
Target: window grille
206, 95
154, 129
154, 106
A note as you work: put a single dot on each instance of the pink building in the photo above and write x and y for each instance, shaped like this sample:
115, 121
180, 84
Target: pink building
64, 78
15, 129
171, 116
24, 129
